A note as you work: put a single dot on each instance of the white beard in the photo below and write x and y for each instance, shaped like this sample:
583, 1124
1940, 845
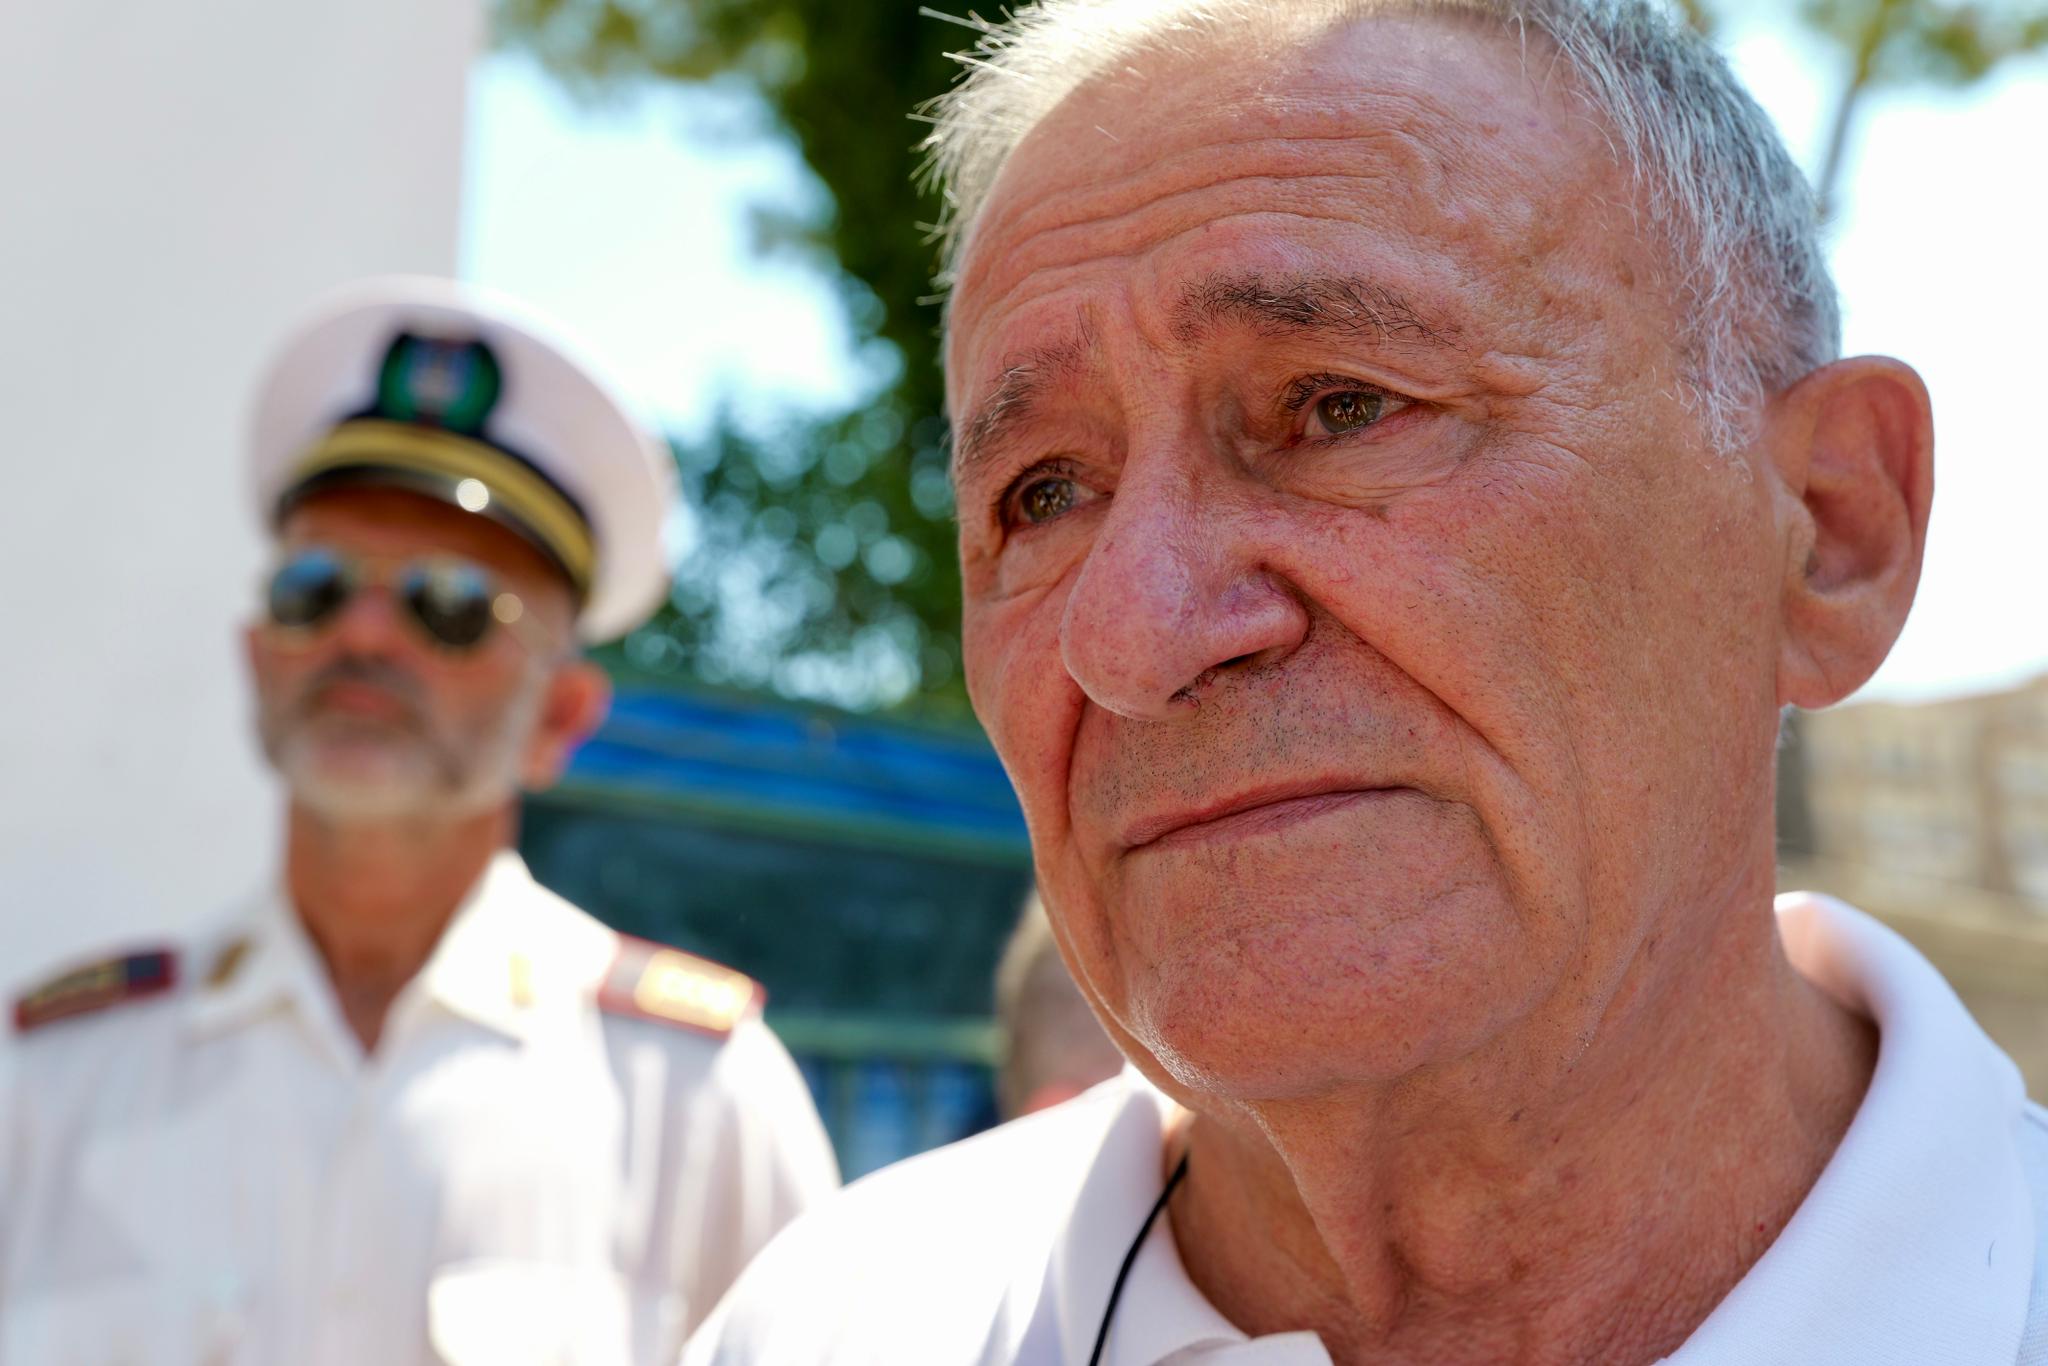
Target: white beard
359, 772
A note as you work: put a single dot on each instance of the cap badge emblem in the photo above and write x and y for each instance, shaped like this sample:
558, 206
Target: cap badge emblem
434, 382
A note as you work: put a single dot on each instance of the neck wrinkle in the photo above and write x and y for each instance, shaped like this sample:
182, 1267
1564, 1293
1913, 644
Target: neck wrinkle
1594, 1206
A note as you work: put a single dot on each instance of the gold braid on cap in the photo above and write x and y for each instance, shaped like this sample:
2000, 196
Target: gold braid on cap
517, 493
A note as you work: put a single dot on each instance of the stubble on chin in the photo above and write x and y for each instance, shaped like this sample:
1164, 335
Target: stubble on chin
363, 776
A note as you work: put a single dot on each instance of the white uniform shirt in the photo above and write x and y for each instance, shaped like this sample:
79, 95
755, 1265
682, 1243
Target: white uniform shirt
1920, 1244
218, 1174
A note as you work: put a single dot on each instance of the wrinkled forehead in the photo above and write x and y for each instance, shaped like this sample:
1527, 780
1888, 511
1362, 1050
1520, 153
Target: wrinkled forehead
1432, 147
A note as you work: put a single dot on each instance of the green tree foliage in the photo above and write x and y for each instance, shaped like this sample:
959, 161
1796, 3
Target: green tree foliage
826, 566
1900, 42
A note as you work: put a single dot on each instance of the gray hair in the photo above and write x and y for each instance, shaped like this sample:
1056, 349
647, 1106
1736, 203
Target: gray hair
1757, 305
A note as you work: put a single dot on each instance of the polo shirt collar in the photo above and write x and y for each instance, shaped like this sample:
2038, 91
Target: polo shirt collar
1914, 1248
1160, 1312
1916, 1245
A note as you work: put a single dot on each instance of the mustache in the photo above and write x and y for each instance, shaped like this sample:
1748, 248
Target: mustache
376, 673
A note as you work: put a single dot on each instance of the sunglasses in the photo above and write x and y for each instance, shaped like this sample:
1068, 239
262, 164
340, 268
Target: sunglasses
453, 603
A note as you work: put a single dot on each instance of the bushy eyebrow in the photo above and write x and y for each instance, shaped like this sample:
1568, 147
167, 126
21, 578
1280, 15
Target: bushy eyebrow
1023, 382
1345, 307
1305, 305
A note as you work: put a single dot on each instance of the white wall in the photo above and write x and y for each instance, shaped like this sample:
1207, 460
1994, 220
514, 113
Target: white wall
175, 181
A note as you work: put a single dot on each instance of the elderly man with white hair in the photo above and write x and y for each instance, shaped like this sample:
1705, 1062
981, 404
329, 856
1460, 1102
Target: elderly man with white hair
1405, 468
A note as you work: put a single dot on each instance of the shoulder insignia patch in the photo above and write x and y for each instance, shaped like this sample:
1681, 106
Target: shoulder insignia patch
109, 982
656, 982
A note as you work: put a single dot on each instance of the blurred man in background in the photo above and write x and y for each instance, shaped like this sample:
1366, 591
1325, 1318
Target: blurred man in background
1053, 1046
408, 1106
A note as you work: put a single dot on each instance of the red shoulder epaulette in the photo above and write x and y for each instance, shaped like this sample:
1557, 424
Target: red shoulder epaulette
109, 982
656, 982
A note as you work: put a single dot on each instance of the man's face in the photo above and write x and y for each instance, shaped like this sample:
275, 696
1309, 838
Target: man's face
367, 718
1379, 652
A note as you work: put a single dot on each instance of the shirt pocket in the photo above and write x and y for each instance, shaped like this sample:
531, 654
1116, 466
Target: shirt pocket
130, 1324
508, 1312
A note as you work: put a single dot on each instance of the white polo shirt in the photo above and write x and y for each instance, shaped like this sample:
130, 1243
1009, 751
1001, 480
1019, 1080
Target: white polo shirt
218, 1174
1920, 1244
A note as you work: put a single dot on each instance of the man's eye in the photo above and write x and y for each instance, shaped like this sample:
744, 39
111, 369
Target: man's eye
1041, 500
1349, 410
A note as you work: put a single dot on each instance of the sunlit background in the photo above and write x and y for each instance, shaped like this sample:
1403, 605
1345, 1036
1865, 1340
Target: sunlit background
1940, 193
717, 198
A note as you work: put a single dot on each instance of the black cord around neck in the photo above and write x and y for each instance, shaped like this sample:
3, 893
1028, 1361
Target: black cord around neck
1116, 1292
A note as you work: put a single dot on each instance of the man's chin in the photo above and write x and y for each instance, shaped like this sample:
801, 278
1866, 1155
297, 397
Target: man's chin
1268, 1007
359, 787
362, 803
1242, 1054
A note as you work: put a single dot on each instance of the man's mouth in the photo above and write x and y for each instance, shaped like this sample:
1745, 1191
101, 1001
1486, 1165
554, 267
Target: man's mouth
1254, 812
347, 697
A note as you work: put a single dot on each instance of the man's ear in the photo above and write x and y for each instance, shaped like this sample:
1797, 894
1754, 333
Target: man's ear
578, 696
254, 657
1853, 448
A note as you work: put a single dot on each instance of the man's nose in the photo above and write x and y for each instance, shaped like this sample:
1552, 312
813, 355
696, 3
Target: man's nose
1174, 597
368, 622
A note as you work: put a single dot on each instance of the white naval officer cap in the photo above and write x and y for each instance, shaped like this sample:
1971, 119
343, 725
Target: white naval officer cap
446, 390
